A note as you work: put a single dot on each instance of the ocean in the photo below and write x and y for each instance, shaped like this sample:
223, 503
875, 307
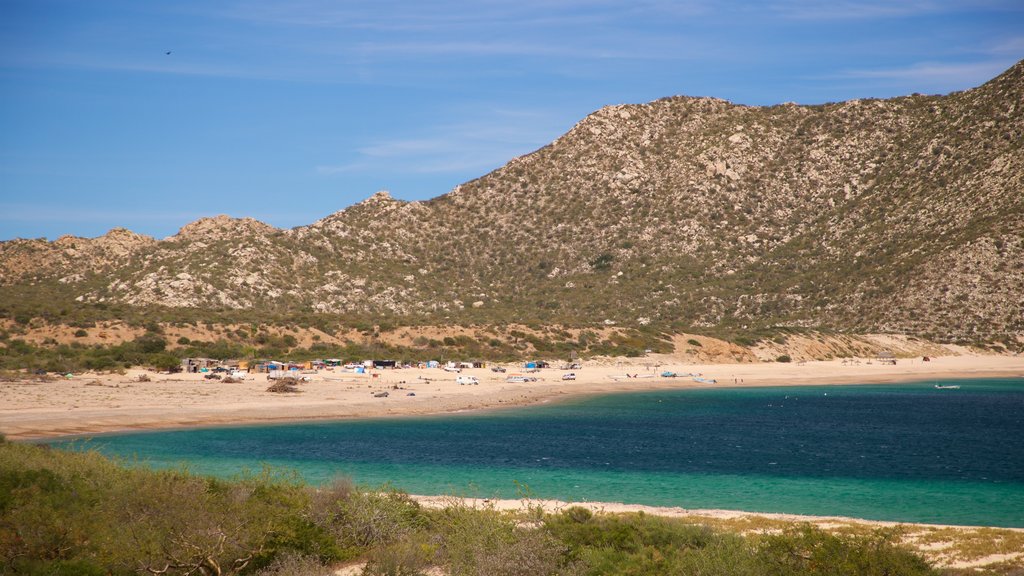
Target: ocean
906, 452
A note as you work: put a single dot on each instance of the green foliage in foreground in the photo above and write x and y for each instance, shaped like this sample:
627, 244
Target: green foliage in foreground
82, 514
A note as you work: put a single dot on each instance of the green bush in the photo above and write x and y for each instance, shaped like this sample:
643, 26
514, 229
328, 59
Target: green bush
602, 262
808, 551
149, 343
165, 362
291, 564
784, 358
484, 542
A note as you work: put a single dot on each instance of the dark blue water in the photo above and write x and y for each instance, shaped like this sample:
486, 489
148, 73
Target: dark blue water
894, 452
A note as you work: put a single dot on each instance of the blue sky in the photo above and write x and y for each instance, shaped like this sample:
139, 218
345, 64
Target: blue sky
289, 111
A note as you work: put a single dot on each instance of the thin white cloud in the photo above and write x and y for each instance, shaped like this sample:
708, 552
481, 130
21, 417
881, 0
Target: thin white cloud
328, 170
49, 213
648, 48
480, 144
849, 10
159, 64
969, 74
1010, 46
881, 9
451, 15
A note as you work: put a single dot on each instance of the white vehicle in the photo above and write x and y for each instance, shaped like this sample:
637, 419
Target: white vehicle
569, 376
239, 374
467, 380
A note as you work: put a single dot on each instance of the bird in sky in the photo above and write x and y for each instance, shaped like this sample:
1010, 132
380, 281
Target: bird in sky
168, 53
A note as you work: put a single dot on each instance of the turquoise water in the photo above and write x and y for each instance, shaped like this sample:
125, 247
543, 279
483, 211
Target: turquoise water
894, 452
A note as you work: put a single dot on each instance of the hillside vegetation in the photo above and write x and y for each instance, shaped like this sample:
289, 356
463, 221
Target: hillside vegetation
903, 215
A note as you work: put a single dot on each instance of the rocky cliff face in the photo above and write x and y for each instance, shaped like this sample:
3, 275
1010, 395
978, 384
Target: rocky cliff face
871, 215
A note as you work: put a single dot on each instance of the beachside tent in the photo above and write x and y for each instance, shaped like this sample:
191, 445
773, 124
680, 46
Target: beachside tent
193, 365
272, 365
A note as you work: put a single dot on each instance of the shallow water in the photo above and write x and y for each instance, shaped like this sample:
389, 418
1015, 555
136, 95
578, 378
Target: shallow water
903, 452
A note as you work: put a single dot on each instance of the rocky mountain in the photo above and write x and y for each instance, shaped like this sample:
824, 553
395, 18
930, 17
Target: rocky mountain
899, 215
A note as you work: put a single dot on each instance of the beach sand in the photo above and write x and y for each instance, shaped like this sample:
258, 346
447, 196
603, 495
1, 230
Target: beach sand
97, 403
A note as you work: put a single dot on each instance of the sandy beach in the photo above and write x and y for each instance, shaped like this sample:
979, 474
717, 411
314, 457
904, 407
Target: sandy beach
87, 404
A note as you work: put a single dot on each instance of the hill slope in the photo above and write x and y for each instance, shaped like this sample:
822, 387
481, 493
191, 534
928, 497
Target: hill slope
899, 215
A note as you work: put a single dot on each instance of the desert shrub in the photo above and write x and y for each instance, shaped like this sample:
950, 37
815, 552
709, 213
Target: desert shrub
578, 514
362, 518
808, 551
627, 532
81, 333
164, 361
292, 564
602, 262
628, 544
80, 511
784, 358
150, 343
410, 556
486, 543
528, 552
746, 341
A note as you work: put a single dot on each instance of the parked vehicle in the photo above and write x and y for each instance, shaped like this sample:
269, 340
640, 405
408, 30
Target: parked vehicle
498, 369
467, 380
569, 376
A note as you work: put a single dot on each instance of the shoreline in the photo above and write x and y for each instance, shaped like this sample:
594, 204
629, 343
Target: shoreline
93, 404
556, 506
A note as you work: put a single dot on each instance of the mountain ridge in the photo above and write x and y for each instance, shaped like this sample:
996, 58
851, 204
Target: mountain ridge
896, 215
